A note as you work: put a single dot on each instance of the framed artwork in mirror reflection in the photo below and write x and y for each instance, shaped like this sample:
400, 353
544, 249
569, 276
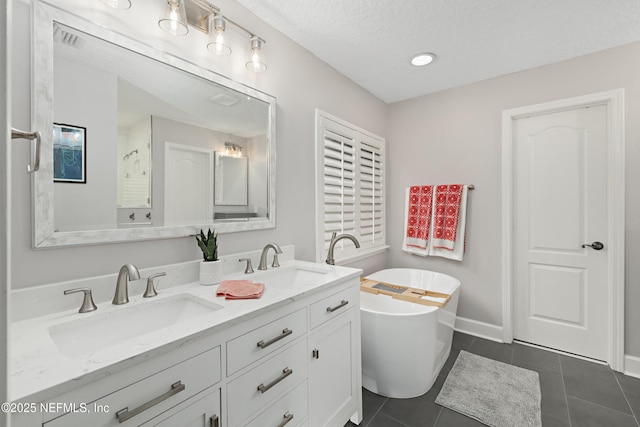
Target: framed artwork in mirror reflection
69, 153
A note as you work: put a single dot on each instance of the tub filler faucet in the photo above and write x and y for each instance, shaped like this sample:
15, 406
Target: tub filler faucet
334, 240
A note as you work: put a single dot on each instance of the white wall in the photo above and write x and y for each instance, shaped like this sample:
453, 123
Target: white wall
455, 135
258, 169
299, 81
84, 85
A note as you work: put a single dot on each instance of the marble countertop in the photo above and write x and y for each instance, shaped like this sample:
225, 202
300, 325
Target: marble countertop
39, 370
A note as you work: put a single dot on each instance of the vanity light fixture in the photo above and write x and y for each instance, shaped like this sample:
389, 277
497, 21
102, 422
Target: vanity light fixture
174, 21
219, 39
256, 56
204, 16
118, 4
232, 150
422, 59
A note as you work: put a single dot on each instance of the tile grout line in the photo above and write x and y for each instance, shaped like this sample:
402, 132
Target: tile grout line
435, 423
564, 389
394, 419
605, 407
626, 399
378, 411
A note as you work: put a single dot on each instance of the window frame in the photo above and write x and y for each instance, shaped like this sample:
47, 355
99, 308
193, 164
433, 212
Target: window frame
349, 134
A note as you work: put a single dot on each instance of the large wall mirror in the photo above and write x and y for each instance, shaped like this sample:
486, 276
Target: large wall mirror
132, 138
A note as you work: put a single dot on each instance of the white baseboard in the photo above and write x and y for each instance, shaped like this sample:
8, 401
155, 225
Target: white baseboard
479, 329
494, 333
632, 366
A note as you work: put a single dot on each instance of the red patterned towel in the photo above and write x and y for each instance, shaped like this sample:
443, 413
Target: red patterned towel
240, 289
419, 216
446, 215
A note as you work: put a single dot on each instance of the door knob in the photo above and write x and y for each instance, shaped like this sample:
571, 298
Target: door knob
595, 245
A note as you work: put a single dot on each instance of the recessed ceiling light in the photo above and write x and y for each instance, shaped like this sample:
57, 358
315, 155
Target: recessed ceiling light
422, 59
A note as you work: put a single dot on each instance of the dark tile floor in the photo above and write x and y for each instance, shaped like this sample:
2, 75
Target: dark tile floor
575, 393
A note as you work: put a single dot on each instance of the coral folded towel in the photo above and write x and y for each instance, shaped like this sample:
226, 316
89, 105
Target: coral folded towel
240, 289
418, 220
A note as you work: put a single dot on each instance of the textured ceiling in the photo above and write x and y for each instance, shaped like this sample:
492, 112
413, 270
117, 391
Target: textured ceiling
371, 41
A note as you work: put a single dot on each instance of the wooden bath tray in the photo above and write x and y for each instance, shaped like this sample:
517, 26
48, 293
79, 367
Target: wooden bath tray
404, 293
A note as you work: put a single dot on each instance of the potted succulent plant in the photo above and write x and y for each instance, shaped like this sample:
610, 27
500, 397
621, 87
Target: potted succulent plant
211, 267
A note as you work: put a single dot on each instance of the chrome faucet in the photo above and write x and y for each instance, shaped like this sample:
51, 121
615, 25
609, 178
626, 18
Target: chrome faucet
263, 257
334, 240
127, 272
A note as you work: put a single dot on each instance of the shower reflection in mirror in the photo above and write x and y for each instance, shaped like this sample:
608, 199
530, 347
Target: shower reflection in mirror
134, 164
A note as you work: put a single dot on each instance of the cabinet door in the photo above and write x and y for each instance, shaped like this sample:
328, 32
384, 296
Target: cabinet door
333, 386
202, 412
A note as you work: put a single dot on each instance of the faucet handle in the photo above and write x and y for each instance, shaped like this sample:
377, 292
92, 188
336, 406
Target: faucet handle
249, 268
275, 260
87, 302
151, 290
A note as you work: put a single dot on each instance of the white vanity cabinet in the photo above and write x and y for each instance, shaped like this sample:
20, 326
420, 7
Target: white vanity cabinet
335, 385
293, 362
284, 372
134, 404
199, 411
261, 385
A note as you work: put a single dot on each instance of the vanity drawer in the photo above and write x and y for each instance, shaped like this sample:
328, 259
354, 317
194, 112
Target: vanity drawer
145, 399
292, 407
262, 384
333, 305
264, 340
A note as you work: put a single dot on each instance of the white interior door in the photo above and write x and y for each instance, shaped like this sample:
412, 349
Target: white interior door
188, 184
561, 294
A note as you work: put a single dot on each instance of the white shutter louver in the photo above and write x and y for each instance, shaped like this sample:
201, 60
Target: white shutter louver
339, 186
371, 194
350, 188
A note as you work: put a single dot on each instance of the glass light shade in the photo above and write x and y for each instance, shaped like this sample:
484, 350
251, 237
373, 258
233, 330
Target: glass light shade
174, 21
218, 37
118, 4
256, 60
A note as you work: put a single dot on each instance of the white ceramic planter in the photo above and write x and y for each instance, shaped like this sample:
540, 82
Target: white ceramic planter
211, 272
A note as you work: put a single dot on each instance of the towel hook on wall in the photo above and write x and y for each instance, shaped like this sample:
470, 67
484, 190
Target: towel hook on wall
15, 134
471, 187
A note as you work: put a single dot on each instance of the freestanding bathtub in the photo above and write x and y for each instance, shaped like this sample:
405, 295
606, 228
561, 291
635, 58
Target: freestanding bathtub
405, 345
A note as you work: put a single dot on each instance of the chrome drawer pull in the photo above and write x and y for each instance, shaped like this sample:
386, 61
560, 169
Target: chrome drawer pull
342, 304
287, 417
124, 414
214, 421
285, 373
285, 333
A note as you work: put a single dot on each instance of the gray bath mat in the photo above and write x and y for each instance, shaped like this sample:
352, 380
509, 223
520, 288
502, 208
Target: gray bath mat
494, 393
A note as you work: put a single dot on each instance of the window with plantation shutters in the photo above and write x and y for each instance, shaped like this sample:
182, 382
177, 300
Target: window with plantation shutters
371, 195
349, 188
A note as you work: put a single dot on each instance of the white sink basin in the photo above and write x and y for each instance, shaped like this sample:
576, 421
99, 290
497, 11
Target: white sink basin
85, 335
291, 276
